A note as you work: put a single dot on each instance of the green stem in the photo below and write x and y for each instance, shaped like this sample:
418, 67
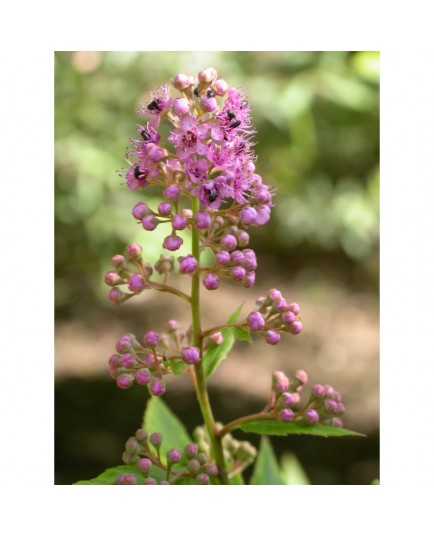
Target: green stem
236, 423
201, 390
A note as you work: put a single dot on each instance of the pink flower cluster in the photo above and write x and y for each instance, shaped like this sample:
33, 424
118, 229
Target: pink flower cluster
158, 355
143, 450
212, 159
324, 403
274, 315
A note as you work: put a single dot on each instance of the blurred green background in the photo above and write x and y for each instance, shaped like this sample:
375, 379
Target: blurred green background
317, 121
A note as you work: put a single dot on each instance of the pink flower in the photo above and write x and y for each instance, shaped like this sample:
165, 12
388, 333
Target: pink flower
189, 138
160, 101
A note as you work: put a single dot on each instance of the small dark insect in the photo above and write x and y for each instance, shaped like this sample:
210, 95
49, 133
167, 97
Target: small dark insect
231, 114
145, 135
210, 93
235, 124
212, 196
136, 172
196, 91
153, 105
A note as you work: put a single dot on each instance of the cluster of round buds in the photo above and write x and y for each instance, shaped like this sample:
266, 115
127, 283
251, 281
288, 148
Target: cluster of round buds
230, 263
146, 363
323, 406
130, 270
238, 454
144, 450
273, 315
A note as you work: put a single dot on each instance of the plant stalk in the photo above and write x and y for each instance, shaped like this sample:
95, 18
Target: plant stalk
200, 385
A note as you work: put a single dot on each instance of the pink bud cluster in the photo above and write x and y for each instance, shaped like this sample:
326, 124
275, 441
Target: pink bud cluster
143, 449
323, 406
146, 363
274, 315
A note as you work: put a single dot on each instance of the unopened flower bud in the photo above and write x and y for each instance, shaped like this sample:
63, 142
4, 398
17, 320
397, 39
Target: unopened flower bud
288, 317
157, 387
164, 209
208, 104
202, 458
280, 305
287, 400
191, 355
172, 242
181, 106
126, 479
301, 377
181, 81
211, 469
112, 278
311, 416
220, 87
190, 451
203, 479
149, 481
242, 238
130, 458
296, 327
143, 376
318, 391
294, 307
229, 242
248, 216
274, 294
140, 210
193, 466
217, 337
238, 273
272, 336
128, 361
202, 219
151, 338
150, 222
124, 381
142, 435
211, 281
205, 76
144, 465
340, 408
337, 422
172, 193
156, 439
165, 264
116, 295
187, 265
281, 386
179, 222
173, 456
136, 283
249, 279
132, 446
163, 483
330, 406
286, 415
171, 325
255, 321
114, 361
133, 251
222, 257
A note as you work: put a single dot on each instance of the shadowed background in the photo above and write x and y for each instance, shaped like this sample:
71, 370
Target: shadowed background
317, 121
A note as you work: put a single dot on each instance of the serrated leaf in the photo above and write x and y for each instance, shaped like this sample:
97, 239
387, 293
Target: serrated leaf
215, 354
242, 334
159, 418
275, 427
109, 476
292, 471
266, 471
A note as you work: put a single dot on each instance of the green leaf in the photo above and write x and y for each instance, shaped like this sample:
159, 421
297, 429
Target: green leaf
109, 476
266, 471
177, 365
275, 427
217, 353
242, 334
237, 480
159, 418
292, 471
